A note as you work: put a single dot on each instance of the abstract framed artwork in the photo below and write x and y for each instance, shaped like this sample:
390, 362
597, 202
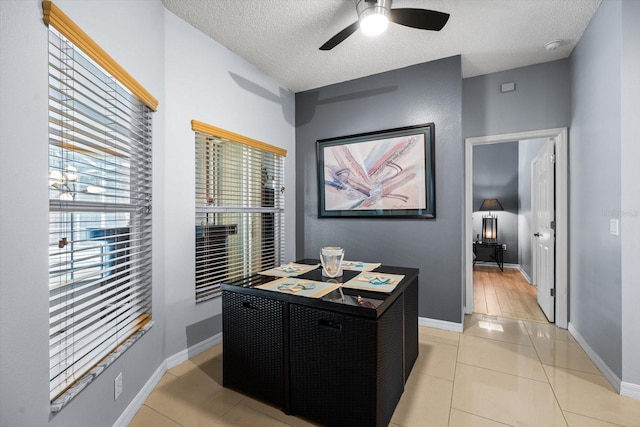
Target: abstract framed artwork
382, 174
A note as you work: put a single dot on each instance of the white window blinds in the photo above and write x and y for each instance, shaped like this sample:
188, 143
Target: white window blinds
99, 218
239, 223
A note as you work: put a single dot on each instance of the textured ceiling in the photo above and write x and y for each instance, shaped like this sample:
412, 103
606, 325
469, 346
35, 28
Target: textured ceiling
282, 37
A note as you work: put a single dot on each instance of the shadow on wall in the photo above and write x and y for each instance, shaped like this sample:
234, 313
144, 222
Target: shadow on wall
311, 99
202, 330
288, 111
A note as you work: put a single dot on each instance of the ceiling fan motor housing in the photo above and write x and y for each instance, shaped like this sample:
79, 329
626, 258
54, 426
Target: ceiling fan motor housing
372, 7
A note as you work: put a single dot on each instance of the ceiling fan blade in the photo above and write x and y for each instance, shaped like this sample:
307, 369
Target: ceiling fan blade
422, 19
340, 37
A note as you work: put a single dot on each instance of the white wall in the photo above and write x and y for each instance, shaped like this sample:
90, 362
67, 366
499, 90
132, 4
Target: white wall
24, 335
202, 83
595, 300
605, 155
191, 77
24, 329
630, 203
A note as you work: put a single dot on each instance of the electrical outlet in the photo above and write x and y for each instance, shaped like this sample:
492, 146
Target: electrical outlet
614, 226
504, 247
117, 386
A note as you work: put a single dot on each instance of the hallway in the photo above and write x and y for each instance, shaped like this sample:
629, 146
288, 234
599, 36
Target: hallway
504, 293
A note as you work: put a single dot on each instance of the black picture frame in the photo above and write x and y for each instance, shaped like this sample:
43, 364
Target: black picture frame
382, 174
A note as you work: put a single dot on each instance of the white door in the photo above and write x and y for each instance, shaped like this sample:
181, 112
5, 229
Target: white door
543, 227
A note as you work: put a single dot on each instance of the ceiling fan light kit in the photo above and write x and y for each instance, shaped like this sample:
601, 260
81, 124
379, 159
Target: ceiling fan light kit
373, 16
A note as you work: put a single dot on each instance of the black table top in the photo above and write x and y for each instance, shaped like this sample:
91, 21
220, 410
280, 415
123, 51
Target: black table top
485, 243
346, 300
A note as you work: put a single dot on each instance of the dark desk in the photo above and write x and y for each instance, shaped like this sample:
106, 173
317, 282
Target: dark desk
494, 250
332, 360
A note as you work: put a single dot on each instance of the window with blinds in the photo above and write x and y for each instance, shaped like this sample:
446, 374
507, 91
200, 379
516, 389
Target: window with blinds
99, 217
239, 221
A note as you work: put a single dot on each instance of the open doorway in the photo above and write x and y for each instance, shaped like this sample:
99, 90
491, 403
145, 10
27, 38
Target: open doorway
503, 244
560, 190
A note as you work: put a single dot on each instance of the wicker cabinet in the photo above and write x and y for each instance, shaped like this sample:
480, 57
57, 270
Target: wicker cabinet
345, 368
253, 350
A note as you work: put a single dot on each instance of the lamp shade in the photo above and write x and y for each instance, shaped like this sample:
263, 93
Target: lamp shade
491, 205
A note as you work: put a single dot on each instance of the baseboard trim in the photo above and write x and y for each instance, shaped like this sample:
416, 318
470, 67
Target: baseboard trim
524, 274
630, 390
606, 371
132, 409
198, 348
440, 324
182, 356
495, 265
194, 350
176, 359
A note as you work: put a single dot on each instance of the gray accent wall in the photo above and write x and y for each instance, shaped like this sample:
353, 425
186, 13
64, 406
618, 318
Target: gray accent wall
424, 93
495, 176
527, 151
595, 180
541, 100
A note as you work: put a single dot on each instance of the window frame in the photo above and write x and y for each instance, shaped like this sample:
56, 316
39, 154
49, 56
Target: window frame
111, 276
239, 207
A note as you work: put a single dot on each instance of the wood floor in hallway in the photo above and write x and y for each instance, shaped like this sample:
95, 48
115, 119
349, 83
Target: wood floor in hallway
505, 293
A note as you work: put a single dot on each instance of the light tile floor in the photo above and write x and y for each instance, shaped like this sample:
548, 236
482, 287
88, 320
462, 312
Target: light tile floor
499, 372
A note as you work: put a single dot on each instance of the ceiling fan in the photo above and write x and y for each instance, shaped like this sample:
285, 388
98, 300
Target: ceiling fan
374, 16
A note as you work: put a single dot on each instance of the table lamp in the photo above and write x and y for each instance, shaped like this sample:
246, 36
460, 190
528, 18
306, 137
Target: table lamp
490, 220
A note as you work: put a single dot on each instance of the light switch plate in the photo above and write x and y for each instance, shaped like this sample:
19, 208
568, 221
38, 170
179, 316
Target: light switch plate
614, 226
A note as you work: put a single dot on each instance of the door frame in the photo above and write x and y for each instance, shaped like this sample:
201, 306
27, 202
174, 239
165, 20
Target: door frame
562, 213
